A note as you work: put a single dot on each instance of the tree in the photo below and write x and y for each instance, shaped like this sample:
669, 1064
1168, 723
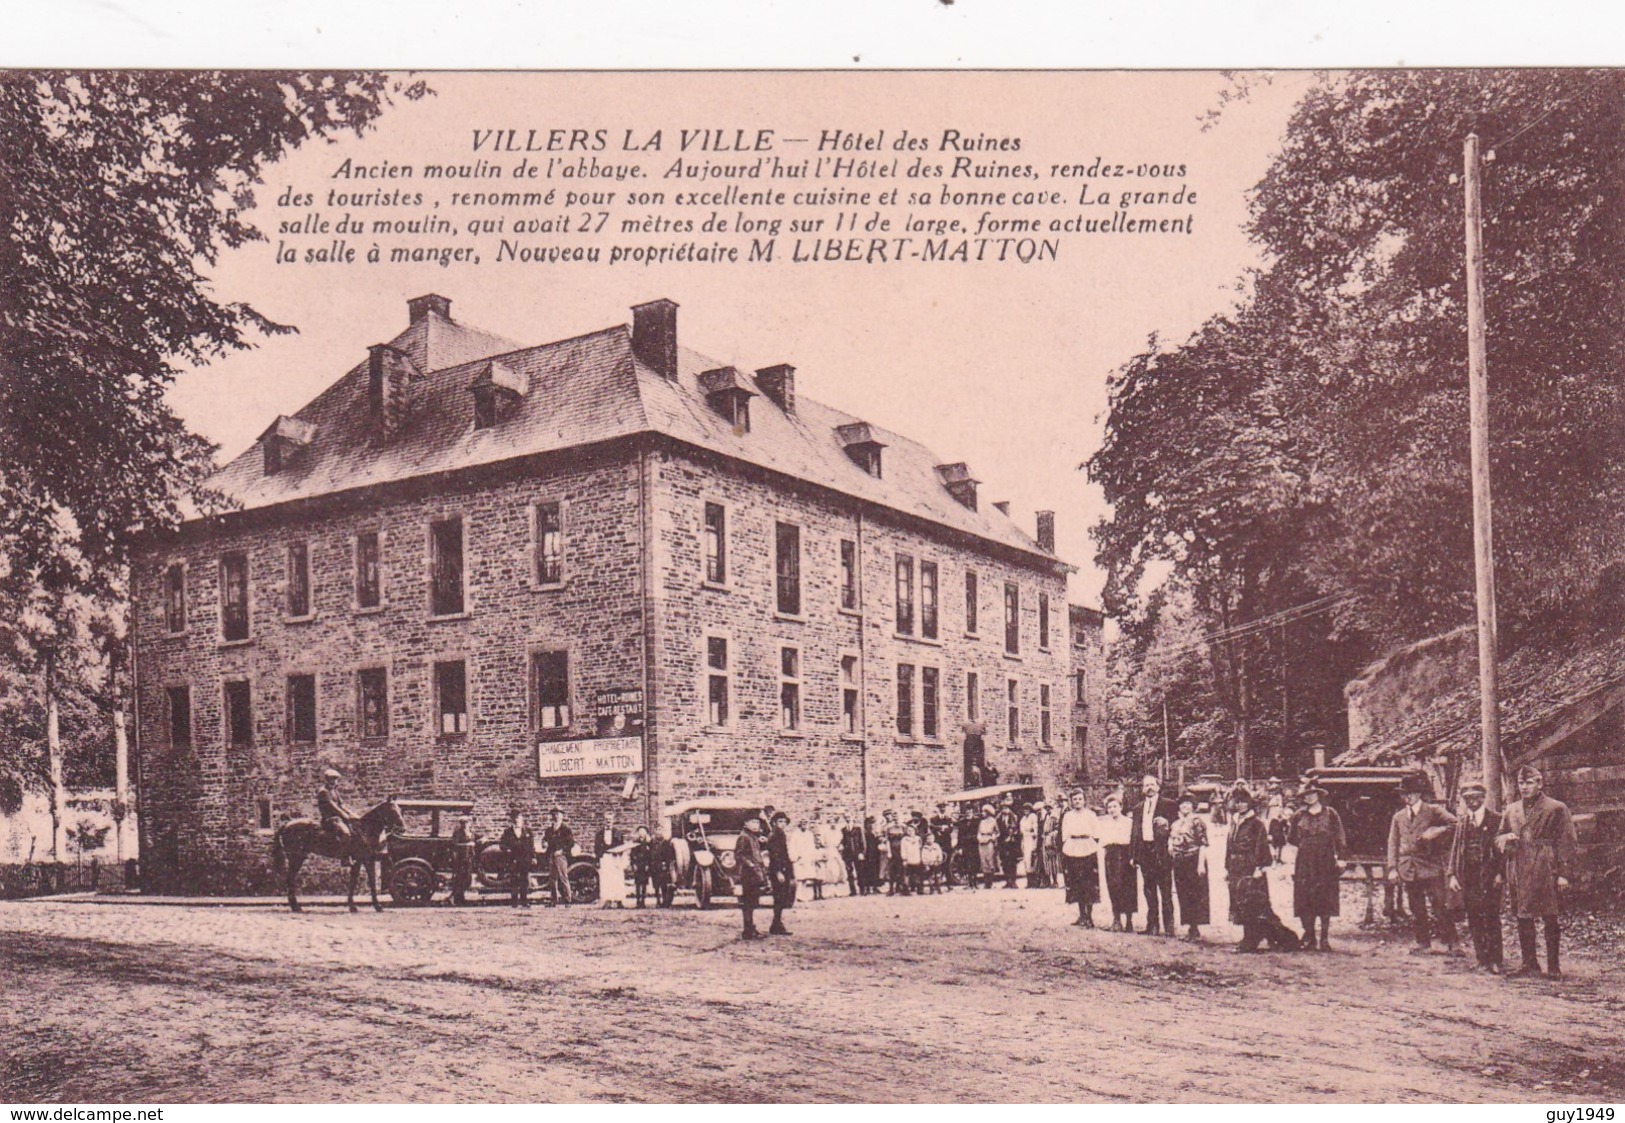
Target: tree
1313, 443
87, 836
120, 189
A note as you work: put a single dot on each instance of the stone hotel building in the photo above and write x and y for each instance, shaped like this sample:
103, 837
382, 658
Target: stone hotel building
604, 572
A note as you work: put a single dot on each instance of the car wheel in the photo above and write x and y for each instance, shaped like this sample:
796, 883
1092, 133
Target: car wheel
702, 888
491, 866
412, 883
583, 883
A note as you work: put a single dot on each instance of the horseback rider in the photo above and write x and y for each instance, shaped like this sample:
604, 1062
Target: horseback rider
336, 817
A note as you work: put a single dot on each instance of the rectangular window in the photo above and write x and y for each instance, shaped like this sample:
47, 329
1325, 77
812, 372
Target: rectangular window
928, 599
930, 681
485, 409
849, 575
905, 595
1012, 618
451, 696
971, 602
234, 596
180, 716
1080, 740
973, 696
716, 544
446, 567
905, 700
787, 565
1043, 621
264, 814
369, 586
849, 694
239, 714
372, 703
550, 692
549, 544
717, 681
301, 709
175, 599
1080, 685
1013, 710
790, 688
1043, 714
298, 579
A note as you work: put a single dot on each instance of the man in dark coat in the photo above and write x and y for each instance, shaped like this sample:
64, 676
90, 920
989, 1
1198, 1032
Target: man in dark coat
854, 849
752, 875
942, 831
640, 860
663, 869
1476, 871
781, 873
462, 860
869, 872
1419, 839
518, 845
969, 862
1009, 840
1149, 827
1537, 837
560, 841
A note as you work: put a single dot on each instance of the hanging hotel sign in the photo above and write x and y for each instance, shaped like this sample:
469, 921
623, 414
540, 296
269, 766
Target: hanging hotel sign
618, 711
592, 756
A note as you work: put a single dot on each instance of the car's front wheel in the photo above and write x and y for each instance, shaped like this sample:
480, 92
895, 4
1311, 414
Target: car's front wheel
702, 887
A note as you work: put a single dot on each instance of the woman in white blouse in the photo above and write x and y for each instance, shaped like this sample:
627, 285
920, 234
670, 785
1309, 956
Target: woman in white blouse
1080, 858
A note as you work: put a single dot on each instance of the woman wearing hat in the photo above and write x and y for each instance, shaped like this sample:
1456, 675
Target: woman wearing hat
1187, 843
1317, 832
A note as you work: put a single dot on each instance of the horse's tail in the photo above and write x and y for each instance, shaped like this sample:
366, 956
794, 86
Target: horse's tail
278, 856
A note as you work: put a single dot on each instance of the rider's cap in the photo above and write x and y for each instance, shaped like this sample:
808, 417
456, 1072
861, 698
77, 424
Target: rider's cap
331, 774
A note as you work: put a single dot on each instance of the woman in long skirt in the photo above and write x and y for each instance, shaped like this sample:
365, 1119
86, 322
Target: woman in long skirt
1080, 859
1187, 842
1120, 885
1317, 832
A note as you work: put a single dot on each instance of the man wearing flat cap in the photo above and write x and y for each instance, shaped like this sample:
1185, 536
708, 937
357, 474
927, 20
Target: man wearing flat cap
1477, 871
781, 872
330, 808
560, 840
1419, 838
752, 875
1537, 838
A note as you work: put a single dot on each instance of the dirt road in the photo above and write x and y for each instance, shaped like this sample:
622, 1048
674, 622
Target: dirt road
986, 996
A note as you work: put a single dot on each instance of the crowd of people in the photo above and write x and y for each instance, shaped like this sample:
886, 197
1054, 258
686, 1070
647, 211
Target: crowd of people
1151, 859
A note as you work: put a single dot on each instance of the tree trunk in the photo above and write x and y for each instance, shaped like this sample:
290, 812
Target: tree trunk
121, 782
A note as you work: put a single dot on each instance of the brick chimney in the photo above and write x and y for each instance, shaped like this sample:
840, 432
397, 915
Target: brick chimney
654, 337
420, 306
392, 383
1046, 531
779, 384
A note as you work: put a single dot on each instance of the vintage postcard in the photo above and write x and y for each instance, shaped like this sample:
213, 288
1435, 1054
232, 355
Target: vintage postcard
1014, 586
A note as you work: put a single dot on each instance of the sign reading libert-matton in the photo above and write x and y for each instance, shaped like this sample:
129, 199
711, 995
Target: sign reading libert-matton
592, 756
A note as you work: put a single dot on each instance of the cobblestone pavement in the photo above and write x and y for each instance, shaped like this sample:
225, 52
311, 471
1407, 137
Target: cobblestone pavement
984, 996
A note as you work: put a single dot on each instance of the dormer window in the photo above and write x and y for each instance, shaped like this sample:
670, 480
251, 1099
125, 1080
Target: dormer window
957, 479
497, 390
862, 446
283, 441
728, 393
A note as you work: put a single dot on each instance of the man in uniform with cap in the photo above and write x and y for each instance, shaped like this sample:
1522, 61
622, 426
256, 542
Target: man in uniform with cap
1477, 871
752, 875
1537, 838
1418, 844
335, 816
781, 872
518, 843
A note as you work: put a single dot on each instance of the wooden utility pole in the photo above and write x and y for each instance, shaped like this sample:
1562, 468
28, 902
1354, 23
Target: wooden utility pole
1483, 547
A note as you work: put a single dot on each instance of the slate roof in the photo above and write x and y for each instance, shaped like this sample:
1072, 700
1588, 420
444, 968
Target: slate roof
1536, 688
584, 391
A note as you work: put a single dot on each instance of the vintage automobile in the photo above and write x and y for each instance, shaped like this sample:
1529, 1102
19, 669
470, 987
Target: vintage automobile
491, 872
703, 832
422, 860
1208, 790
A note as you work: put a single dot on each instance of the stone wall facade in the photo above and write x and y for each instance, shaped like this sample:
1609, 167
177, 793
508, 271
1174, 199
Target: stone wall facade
633, 611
